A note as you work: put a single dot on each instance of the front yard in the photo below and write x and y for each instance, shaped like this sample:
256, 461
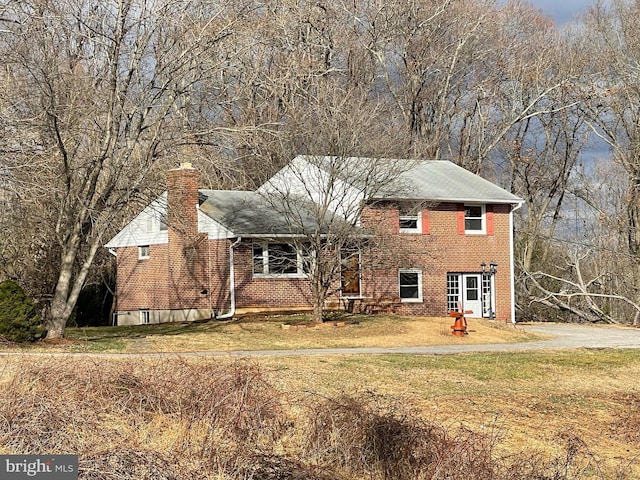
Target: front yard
282, 333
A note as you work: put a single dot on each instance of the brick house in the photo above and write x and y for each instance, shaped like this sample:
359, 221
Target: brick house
442, 238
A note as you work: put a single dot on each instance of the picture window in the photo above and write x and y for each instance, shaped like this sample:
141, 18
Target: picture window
279, 260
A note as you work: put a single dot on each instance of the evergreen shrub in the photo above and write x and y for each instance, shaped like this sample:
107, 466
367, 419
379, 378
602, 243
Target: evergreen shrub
18, 319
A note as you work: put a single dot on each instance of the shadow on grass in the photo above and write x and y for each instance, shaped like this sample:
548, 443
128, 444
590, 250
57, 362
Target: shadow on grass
141, 331
207, 326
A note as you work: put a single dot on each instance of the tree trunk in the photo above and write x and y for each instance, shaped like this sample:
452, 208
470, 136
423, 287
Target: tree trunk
68, 288
56, 322
60, 311
316, 317
319, 295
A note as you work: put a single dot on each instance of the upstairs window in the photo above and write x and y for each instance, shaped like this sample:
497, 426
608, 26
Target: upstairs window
278, 259
474, 219
410, 219
144, 252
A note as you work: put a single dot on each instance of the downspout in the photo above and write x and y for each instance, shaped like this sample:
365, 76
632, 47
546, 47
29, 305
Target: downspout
113, 252
232, 283
512, 262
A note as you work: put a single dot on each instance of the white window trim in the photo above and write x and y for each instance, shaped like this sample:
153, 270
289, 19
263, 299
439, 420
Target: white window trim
483, 219
411, 300
143, 256
145, 317
265, 263
417, 217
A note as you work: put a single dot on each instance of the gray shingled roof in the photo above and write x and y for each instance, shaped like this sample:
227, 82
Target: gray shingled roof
436, 180
250, 213
447, 182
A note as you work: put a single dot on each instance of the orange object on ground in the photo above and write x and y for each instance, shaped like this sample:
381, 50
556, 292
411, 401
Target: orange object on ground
459, 326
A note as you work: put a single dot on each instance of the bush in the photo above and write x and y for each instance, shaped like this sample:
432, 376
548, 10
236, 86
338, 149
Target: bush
18, 319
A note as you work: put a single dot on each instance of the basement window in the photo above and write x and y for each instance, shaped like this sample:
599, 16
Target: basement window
145, 317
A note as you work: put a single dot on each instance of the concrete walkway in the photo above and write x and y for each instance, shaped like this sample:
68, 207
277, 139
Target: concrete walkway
565, 336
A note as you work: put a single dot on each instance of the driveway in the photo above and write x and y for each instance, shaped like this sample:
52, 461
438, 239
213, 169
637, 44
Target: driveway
563, 336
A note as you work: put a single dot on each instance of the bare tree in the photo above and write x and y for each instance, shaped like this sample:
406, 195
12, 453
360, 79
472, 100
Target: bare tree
322, 197
94, 100
612, 38
578, 292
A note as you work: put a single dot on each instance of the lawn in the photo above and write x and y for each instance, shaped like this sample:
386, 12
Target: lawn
282, 332
577, 412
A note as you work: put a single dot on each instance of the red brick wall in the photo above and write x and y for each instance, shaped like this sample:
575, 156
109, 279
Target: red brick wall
270, 292
193, 272
440, 251
157, 284
142, 284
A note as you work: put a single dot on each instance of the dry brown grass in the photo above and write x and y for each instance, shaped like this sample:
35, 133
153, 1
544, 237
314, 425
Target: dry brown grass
527, 416
502, 416
367, 332
269, 334
543, 403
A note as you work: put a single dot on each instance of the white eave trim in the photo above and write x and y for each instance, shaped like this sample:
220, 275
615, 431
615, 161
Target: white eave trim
128, 239
489, 201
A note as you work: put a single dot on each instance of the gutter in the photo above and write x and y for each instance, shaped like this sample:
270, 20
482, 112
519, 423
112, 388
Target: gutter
512, 262
232, 284
112, 251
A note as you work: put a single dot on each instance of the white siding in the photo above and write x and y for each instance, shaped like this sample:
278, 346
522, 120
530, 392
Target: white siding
144, 229
304, 179
213, 229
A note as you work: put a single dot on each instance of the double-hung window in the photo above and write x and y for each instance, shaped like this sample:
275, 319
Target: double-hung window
410, 219
410, 285
277, 259
162, 221
474, 219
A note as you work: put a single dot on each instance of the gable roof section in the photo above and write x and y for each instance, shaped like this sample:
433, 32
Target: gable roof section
227, 214
144, 228
433, 180
231, 213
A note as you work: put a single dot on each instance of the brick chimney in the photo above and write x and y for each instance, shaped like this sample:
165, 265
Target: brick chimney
185, 260
182, 200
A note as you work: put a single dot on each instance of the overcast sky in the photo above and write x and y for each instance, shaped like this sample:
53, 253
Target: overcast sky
563, 11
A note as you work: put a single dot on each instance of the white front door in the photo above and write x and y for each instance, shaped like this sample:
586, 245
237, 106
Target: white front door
471, 294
